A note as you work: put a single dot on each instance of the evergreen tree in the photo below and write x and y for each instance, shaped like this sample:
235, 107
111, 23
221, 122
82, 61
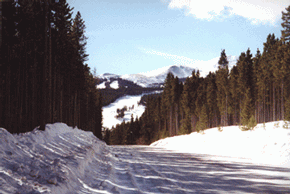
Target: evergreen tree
257, 73
222, 87
211, 99
203, 119
43, 75
79, 38
245, 84
235, 94
286, 25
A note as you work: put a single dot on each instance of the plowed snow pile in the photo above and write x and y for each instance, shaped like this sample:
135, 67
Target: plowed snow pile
267, 144
52, 161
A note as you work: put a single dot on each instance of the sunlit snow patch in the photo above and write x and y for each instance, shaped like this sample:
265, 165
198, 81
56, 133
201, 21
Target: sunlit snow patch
114, 84
266, 144
133, 108
102, 85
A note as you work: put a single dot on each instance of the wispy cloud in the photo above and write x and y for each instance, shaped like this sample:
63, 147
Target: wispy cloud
178, 60
258, 11
204, 66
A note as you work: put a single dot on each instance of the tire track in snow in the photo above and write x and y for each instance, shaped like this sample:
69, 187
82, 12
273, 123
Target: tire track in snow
143, 169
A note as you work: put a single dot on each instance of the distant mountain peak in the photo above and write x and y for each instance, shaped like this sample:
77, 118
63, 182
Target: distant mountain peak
155, 78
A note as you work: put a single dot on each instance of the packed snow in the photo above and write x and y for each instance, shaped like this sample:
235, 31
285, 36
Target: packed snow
65, 160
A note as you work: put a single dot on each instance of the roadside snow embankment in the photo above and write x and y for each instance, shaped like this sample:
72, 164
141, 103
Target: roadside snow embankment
266, 144
52, 161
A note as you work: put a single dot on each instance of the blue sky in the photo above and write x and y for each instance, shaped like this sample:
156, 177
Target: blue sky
133, 36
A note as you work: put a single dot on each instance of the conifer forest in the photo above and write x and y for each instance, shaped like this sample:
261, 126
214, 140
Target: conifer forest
44, 77
255, 90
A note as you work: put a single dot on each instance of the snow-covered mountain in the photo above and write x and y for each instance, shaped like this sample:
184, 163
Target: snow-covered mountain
155, 78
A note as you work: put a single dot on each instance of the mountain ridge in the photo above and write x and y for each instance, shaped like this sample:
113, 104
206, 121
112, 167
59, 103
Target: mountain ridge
155, 78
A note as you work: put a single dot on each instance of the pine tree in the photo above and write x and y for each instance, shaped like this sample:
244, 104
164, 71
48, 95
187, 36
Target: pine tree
286, 25
257, 73
185, 104
222, 87
203, 118
211, 99
78, 32
245, 84
235, 94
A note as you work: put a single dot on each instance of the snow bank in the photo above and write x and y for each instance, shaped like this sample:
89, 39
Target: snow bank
50, 161
266, 144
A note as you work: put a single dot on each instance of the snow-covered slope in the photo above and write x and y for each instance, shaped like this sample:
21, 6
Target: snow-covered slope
114, 84
63, 160
266, 144
110, 111
133, 108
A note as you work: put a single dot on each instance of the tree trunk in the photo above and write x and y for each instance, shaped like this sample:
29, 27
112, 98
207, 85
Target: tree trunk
282, 101
44, 74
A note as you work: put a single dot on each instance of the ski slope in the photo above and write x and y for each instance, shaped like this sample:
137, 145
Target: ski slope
63, 160
131, 102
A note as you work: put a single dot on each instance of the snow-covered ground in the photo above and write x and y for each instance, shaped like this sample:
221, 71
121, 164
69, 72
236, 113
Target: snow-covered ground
101, 86
266, 144
115, 85
131, 102
63, 160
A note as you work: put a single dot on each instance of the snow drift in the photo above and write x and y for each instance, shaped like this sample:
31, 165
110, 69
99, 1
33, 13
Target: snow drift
56, 160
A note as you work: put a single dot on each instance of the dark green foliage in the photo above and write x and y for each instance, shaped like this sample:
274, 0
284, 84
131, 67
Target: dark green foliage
250, 125
286, 25
121, 112
222, 82
203, 119
43, 75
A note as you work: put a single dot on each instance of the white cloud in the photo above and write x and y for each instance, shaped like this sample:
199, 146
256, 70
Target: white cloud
257, 11
204, 66
178, 60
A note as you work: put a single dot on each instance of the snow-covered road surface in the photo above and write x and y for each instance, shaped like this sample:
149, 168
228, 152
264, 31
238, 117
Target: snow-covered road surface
143, 169
63, 160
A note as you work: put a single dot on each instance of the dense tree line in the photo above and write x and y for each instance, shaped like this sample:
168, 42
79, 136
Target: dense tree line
44, 78
256, 89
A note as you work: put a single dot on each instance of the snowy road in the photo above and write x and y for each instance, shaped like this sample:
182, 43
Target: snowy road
144, 169
63, 160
